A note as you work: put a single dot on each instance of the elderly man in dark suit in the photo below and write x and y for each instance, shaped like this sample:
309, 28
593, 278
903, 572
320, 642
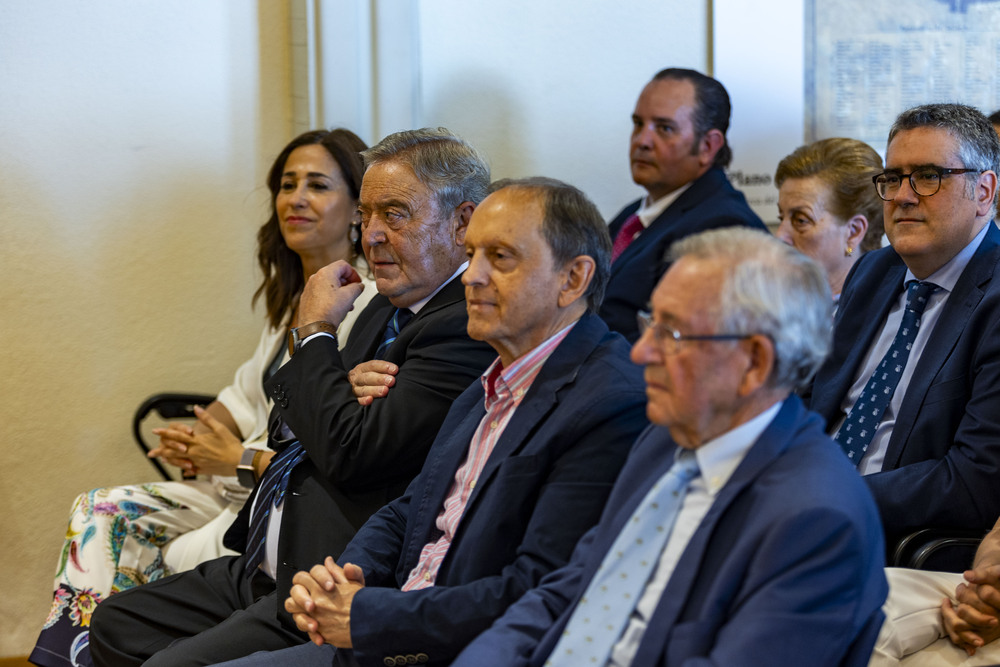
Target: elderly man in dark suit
523, 463
911, 389
339, 459
737, 534
678, 152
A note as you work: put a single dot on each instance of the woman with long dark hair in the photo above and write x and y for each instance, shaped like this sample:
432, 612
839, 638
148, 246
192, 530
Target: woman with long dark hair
123, 536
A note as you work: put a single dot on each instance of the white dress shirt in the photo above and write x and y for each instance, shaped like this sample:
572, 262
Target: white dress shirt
651, 210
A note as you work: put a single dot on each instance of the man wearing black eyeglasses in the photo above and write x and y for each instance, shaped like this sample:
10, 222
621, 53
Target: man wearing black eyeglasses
911, 390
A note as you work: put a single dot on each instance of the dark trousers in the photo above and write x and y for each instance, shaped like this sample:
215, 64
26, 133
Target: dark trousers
202, 617
307, 655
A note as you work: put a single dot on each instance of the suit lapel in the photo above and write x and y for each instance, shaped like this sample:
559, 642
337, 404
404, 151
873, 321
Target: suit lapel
616, 226
560, 370
699, 190
858, 334
961, 304
447, 457
452, 292
367, 332
775, 439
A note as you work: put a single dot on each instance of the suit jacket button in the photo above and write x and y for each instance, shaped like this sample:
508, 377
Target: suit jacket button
422, 658
389, 662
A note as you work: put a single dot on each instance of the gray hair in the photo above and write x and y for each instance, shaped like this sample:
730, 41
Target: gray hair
772, 289
450, 167
572, 226
978, 145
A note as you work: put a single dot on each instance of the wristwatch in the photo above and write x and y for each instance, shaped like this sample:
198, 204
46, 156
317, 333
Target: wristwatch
244, 469
296, 336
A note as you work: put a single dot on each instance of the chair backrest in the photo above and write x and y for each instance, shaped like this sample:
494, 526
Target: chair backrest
168, 406
939, 549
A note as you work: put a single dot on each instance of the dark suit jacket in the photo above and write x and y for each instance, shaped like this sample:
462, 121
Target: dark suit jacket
360, 458
942, 465
710, 202
785, 569
543, 486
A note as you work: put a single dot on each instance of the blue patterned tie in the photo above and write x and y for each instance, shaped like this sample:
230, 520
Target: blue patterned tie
392, 329
858, 429
603, 612
270, 493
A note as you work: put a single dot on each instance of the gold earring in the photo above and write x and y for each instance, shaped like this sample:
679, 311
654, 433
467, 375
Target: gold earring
849, 251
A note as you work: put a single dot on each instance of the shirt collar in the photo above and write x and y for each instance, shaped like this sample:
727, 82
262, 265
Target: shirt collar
718, 458
517, 377
946, 277
415, 308
651, 210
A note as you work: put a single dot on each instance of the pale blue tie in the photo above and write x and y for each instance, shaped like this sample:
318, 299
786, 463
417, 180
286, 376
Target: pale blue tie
603, 612
857, 431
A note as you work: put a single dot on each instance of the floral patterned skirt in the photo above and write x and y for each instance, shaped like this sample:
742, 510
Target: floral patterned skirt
115, 540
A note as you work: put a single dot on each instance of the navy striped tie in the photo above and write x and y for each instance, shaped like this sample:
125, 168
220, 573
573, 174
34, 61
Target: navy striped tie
270, 493
275, 480
392, 329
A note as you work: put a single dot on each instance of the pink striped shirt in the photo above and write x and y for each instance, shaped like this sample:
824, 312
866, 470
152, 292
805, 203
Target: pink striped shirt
504, 389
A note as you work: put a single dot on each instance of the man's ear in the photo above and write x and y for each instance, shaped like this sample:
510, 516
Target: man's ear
463, 213
578, 273
985, 193
710, 144
760, 364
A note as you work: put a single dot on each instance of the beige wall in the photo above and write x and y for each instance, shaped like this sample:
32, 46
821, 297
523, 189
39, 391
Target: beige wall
548, 88
134, 138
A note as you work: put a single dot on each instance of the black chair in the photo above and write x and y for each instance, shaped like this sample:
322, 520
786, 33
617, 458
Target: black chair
939, 549
168, 407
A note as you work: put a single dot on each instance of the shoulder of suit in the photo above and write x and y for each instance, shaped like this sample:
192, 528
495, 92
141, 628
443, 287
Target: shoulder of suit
624, 214
878, 261
592, 344
871, 269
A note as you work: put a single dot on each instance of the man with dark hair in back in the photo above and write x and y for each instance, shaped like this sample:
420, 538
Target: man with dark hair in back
677, 152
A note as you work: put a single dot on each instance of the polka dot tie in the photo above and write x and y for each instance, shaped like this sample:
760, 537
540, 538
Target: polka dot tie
603, 612
858, 429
